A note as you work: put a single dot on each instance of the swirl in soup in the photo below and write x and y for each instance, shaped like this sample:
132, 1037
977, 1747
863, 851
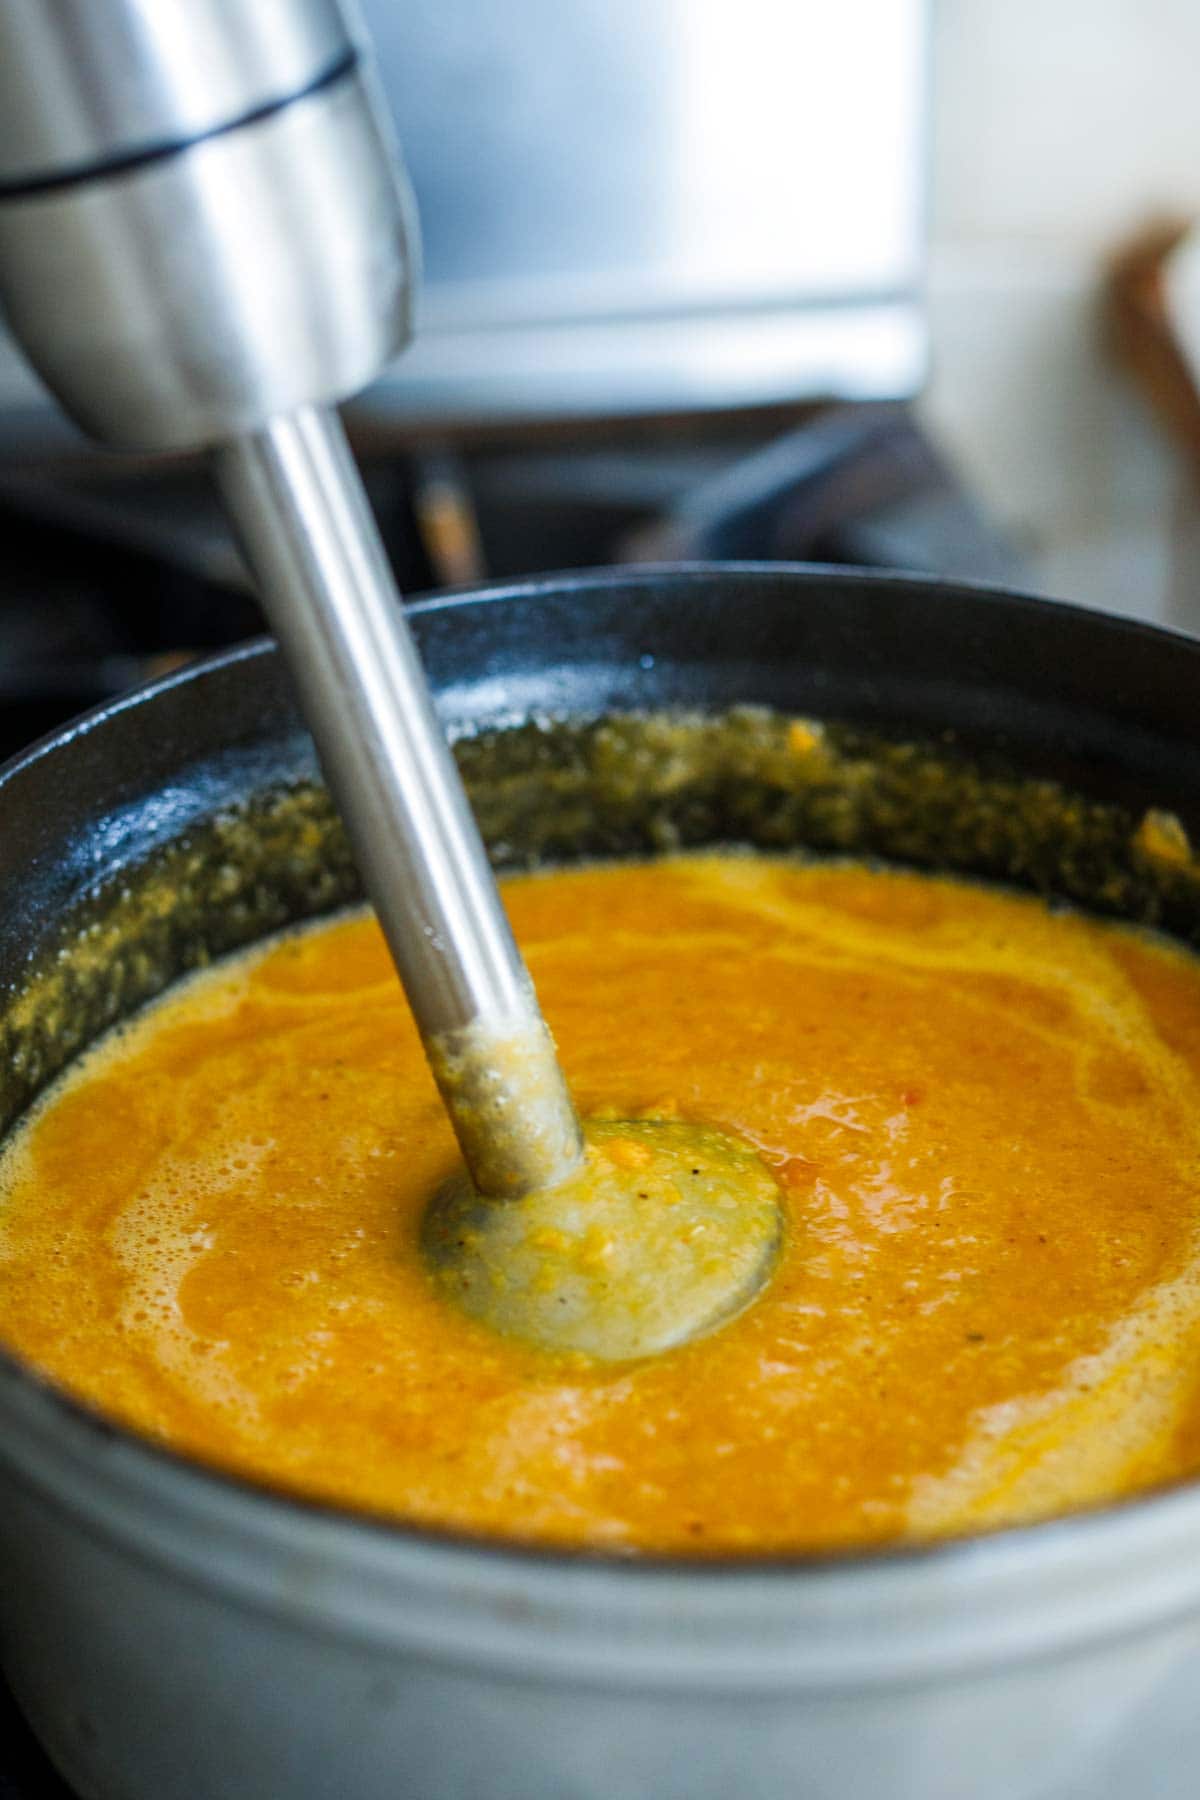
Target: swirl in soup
984, 1118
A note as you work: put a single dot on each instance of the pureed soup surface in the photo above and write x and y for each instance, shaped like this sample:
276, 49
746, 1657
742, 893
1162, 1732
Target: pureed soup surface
983, 1116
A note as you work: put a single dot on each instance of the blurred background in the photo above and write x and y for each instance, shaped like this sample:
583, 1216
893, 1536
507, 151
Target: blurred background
886, 282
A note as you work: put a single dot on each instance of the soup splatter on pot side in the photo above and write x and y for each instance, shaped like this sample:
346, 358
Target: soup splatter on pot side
983, 1116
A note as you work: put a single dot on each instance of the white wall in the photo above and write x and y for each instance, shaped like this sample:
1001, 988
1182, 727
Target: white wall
1060, 127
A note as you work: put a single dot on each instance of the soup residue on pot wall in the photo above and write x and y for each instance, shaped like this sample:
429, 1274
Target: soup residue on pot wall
982, 1114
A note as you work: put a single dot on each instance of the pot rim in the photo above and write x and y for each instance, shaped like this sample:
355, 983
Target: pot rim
72, 1453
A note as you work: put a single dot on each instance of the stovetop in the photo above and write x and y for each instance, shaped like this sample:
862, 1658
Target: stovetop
112, 575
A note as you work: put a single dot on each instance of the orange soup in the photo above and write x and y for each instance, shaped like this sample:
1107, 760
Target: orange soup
983, 1117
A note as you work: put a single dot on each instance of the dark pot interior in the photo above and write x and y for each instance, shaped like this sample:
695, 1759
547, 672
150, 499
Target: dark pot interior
612, 713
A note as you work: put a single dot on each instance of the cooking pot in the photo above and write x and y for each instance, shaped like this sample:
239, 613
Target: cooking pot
172, 1631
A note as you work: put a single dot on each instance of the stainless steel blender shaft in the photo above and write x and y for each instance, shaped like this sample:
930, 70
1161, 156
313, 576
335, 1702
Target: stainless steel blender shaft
304, 521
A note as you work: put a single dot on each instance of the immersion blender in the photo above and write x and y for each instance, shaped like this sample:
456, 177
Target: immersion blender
206, 241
